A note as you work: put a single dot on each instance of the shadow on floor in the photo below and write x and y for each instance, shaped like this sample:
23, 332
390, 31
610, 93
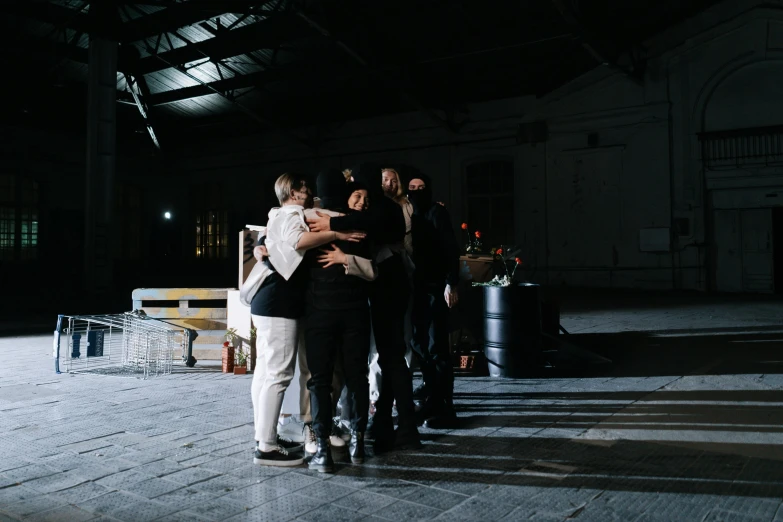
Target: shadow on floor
474, 462
716, 351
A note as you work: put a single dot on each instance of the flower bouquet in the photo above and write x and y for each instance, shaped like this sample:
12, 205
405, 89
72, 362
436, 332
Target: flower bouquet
473, 244
508, 256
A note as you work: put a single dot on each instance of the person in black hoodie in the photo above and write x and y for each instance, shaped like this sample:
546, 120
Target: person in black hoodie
337, 324
384, 223
436, 256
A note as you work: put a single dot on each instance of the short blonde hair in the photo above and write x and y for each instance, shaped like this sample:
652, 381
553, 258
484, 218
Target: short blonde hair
286, 184
400, 190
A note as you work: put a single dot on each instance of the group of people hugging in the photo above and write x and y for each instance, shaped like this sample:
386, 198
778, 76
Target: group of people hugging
362, 273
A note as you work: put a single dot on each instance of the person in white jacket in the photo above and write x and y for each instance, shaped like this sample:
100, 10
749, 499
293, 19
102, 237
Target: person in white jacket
277, 308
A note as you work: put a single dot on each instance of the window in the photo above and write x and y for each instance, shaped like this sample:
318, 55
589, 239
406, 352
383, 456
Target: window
18, 218
7, 233
490, 201
212, 235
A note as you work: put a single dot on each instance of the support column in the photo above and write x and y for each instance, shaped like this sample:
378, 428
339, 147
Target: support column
101, 160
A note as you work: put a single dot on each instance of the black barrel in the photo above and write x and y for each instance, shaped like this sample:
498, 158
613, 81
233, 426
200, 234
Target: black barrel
512, 329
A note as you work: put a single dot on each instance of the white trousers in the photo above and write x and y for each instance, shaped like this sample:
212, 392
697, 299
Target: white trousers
277, 345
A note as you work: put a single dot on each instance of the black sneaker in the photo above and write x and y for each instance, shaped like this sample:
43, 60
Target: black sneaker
288, 444
277, 457
445, 419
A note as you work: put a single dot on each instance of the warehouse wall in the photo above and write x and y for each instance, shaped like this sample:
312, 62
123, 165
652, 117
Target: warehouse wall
618, 195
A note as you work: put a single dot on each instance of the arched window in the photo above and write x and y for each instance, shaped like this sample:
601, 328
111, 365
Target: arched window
490, 200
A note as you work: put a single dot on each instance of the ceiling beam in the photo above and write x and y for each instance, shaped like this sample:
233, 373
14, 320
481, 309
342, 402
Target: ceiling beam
49, 13
307, 73
266, 34
209, 7
182, 14
597, 47
136, 86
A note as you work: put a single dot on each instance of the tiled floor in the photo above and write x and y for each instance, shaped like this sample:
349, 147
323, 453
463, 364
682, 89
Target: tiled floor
685, 424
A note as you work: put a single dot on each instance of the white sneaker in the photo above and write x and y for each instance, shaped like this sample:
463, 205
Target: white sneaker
310, 445
336, 442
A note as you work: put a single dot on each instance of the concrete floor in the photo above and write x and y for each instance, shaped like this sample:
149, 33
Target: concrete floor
685, 424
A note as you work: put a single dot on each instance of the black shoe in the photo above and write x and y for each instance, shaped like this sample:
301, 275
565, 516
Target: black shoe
356, 447
430, 408
445, 419
288, 444
421, 392
379, 426
277, 457
322, 460
383, 434
407, 437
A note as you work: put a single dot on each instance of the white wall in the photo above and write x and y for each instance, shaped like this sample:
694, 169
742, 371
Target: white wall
580, 209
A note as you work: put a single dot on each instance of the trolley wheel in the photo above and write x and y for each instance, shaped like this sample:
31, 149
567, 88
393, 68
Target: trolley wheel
190, 362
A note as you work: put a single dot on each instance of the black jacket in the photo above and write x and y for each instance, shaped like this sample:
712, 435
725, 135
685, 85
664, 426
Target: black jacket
330, 288
435, 250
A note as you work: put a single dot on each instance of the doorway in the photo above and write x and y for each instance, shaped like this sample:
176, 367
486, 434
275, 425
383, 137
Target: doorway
777, 248
744, 250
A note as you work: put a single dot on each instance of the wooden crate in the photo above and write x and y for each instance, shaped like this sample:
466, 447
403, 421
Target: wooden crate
202, 309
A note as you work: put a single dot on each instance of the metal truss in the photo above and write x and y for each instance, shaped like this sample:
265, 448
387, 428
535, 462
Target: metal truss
603, 52
137, 86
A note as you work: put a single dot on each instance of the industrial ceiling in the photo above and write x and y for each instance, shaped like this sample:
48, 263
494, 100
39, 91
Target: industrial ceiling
217, 66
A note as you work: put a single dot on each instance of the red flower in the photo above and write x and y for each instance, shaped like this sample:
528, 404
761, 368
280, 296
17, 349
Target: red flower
478, 234
464, 226
499, 251
226, 344
518, 260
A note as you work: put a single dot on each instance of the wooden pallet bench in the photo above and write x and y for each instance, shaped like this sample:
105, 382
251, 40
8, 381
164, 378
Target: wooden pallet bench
202, 309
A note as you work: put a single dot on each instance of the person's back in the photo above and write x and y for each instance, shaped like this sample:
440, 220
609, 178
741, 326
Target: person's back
333, 287
435, 252
283, 291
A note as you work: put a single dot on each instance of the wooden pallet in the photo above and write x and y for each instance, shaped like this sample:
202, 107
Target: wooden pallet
201, 309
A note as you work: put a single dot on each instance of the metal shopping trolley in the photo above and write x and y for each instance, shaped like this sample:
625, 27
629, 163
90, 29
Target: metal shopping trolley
128, 344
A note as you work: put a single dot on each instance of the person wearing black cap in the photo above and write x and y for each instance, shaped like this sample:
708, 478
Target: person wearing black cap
436, 256
385, 224
337, 324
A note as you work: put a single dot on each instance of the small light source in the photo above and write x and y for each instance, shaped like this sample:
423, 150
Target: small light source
167, 215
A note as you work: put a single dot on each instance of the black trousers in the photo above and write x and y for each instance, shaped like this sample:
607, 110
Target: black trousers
330, 334
431, 339
388, 304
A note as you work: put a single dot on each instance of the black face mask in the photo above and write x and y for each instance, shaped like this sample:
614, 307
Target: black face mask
420, 199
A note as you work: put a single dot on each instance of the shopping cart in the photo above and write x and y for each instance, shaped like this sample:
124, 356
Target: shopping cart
128, 344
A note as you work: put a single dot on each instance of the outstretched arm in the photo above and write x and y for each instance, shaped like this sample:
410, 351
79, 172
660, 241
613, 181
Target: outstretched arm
315, 239
354, 265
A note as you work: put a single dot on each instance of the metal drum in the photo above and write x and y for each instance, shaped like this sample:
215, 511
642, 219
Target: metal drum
512, 329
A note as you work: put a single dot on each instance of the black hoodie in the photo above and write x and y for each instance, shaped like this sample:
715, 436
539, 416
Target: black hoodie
383, 221
435, 249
